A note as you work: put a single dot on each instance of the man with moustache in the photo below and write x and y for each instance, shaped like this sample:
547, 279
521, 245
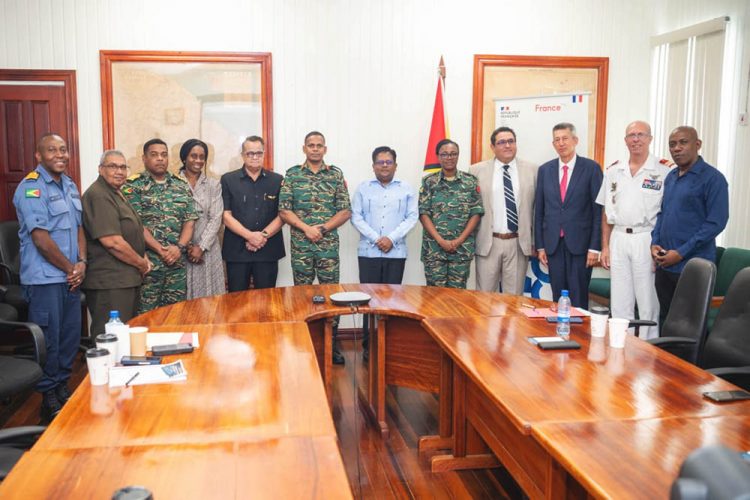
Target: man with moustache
253, 243
504, 237
53, 264
694, 210
314, 201
567, 219
631, 195
384, 210
115, 243
165, 205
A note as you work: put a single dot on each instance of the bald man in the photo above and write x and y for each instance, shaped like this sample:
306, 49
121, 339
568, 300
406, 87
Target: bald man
631, 195
694, 210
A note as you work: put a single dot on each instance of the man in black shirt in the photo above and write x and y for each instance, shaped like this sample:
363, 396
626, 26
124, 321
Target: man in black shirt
253, 243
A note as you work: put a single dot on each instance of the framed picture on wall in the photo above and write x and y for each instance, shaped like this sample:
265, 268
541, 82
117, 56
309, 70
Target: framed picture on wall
218, 97
531, 94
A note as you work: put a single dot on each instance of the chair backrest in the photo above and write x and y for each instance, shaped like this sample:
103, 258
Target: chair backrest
10, 250
729, 342
692, 298
732, 261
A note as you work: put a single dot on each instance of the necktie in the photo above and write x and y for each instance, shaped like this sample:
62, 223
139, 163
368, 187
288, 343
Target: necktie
564, 182
510, 201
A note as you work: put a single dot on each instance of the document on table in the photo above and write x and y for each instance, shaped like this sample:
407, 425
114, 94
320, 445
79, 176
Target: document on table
169, 338
148, 374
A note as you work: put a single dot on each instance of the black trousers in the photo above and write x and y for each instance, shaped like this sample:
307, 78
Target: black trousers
100, 302
263, 273
379, 270
666, 284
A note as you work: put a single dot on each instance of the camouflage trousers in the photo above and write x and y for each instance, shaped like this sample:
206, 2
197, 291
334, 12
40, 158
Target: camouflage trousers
305, 265
163, 286
447, 273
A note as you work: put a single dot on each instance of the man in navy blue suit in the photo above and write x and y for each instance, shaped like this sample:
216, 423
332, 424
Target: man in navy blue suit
567, 219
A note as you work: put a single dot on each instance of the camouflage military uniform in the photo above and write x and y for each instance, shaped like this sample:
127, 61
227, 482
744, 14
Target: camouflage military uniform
164, 209
314, 198
450, 205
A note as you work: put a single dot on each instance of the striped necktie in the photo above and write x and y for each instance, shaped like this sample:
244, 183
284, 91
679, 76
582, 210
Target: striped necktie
510, 201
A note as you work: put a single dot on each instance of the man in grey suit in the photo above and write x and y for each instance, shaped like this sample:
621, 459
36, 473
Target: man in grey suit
504, 238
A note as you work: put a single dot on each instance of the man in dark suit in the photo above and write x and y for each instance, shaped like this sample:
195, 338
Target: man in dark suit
567, 219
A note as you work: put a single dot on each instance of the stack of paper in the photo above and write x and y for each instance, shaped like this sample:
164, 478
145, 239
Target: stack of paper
149, 374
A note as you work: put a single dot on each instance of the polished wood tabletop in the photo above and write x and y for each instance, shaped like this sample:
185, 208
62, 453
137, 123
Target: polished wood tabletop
637, 458
246, 381
289, 467
595, 382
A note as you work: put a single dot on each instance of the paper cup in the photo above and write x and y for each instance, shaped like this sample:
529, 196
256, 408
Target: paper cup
108, 341
618, 330
138, 340
599, 317
97, 361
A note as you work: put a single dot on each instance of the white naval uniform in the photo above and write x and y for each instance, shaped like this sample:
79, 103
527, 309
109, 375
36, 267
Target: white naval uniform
631, 204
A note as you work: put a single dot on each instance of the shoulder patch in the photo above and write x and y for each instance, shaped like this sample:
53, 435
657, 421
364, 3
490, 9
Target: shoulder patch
134, 176
32, 176
33, 193
666, 162
127, 189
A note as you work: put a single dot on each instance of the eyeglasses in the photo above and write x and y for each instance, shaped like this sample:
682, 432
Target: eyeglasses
113, 167
254, 154
637, 135
445, 156
384, 163
505, 142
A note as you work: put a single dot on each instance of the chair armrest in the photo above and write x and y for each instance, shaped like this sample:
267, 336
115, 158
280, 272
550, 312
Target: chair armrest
7, 274
717, 301
738, 375
671, 341
21, 437
3, 291
40, 346
682, 347
641, 322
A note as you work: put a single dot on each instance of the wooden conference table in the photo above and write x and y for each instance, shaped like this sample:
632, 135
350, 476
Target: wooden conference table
598, 421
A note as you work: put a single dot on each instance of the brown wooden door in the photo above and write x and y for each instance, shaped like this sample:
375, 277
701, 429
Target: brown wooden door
28, 111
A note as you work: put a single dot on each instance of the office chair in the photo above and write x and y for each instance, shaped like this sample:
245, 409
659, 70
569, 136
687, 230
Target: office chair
684, 330
733, 260
712, 472
16, 376
727, 350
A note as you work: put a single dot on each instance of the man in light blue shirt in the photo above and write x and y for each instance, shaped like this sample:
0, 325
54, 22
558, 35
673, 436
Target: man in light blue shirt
384, 210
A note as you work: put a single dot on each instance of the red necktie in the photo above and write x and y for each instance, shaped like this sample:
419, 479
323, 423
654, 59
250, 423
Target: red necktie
563, 189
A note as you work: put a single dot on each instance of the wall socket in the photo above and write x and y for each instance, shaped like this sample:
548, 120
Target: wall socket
743, 119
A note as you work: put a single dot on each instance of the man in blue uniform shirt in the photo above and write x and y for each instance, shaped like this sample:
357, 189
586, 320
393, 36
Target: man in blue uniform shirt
53, 265
694, 210
384, 210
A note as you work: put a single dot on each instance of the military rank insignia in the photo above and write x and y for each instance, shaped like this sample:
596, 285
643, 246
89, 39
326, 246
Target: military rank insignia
33, 193
613, 187
33, 175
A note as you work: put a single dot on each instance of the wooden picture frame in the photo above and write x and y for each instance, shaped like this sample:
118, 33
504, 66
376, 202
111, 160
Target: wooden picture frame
218, 97
546, 74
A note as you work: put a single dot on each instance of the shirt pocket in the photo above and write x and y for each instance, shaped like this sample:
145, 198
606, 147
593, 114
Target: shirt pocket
58, 212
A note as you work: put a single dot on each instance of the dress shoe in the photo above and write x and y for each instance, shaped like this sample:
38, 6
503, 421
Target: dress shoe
50, 406
63, 393
338, 358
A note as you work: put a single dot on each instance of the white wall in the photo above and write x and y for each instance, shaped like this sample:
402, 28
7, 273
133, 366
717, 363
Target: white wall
362, 72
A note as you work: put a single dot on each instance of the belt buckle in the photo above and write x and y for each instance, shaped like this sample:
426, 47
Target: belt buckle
629, 230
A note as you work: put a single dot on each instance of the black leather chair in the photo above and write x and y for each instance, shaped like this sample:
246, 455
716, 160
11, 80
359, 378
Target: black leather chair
10, 266
727, 349
712, 473
17, 376
684, 330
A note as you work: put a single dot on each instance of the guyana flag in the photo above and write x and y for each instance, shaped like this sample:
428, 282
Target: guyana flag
439, 127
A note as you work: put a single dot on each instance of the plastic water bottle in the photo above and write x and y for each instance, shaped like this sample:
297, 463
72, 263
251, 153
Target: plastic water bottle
116, 327
563, 315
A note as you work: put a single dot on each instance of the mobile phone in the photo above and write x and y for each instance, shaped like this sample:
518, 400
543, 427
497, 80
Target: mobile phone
726, 396
140, 360
573, 319
163, 350
318, 299
565, 344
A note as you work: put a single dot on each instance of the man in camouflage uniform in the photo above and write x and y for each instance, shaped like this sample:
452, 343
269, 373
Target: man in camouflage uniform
450, 207
165, 205
314, 201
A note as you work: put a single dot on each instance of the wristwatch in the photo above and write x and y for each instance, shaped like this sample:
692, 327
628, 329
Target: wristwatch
323, 230
182, 247
264, 233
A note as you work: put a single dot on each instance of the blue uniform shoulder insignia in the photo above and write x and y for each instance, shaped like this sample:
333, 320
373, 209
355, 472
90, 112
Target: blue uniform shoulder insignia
32, 176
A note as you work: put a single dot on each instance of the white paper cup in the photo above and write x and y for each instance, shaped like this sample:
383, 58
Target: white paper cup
599, 317
108, 341
618, 330
97, 361
138, 340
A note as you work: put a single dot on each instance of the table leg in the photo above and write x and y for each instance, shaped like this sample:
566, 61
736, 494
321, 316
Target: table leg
328, 358
374, 402
444, 439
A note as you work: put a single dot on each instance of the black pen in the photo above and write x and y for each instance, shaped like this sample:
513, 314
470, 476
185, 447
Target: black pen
132, 378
